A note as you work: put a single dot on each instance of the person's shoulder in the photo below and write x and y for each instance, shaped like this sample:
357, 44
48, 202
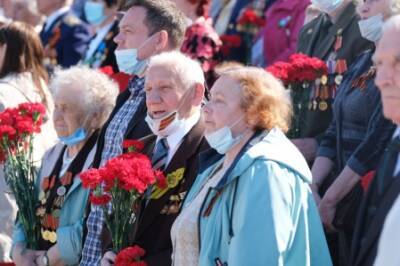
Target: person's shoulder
71, 20
311, 27
70, 23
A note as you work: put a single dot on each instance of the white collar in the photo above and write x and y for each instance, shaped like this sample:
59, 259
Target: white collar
54, 16
176, 138
396, 132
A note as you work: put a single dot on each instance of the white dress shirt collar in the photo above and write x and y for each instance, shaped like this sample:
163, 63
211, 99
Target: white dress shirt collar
54, 16
175, 139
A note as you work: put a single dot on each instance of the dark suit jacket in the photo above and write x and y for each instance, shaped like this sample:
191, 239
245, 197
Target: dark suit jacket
72, 41
315, 121
154, 227
371, 217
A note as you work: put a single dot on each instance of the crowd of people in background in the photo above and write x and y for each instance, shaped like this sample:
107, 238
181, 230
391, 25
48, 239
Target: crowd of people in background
188, 79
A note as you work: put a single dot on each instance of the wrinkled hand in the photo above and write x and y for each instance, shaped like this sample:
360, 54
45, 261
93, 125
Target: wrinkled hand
27, 258
108, 259
308, 147
327, 211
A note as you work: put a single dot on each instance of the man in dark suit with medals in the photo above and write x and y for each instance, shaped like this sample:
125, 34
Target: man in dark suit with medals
174, 93
64, 36
334, 37
101, 15
146, 28
385, 187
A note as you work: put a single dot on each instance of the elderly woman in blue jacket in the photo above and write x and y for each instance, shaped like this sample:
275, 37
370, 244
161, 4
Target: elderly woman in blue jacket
83, 100
251, 203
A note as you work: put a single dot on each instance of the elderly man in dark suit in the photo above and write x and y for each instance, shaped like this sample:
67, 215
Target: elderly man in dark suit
385, 187
147, 27
174, 93
64, 36
334, 37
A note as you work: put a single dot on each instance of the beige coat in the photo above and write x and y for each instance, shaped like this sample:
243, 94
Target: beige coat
16, 89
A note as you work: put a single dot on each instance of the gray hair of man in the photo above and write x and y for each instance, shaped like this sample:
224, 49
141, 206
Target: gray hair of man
393, 23
188, 71
97, 92
395, 7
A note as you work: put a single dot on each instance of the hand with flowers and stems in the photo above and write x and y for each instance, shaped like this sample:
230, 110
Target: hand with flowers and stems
53, 255
128, 256
108, 259
25, 257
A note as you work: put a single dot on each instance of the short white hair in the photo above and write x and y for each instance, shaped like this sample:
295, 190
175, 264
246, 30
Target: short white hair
97, 92
393, 23
394, 7
188, 70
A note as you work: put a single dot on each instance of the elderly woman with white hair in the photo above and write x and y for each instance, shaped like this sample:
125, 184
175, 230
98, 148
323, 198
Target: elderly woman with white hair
357, 135
83, 100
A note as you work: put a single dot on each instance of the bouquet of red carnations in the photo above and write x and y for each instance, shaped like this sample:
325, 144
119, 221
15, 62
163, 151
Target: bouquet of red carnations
118, 187
302, 75
17, 129
130, 257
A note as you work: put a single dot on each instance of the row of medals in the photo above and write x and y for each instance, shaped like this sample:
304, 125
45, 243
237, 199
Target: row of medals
50, 235
322, 104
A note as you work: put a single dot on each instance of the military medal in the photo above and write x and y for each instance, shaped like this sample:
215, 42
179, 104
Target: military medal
338, 79
52, 237
339, 40
324, 79
61, 191
323, 105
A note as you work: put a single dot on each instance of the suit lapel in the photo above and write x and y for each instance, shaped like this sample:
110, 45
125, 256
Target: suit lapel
337, 29
311, 37
376, 225
180, 159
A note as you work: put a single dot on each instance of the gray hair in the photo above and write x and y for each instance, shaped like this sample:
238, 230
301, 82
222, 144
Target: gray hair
97, 92
393, 23
394, 7
188, 70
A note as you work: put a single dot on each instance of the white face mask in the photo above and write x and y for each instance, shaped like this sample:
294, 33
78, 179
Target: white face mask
327, 6
169, 123
222, 140
371, 28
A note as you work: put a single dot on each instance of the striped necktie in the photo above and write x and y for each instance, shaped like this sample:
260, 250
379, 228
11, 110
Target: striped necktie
160, 154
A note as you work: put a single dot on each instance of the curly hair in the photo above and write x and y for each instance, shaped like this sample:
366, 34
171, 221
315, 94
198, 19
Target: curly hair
264, 99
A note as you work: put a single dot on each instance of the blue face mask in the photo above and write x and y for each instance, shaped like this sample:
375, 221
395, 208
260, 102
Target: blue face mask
129, 63
94, 12
79, 135
222, 140
327, 6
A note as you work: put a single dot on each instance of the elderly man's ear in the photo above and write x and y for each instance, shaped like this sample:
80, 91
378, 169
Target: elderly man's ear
198, 94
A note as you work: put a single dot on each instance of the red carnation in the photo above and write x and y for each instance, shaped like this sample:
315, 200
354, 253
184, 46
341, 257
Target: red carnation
6, 118
100, 199
130, 257
229, 42
250, 18
7, 132
133, 145
161, 180
91, 178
